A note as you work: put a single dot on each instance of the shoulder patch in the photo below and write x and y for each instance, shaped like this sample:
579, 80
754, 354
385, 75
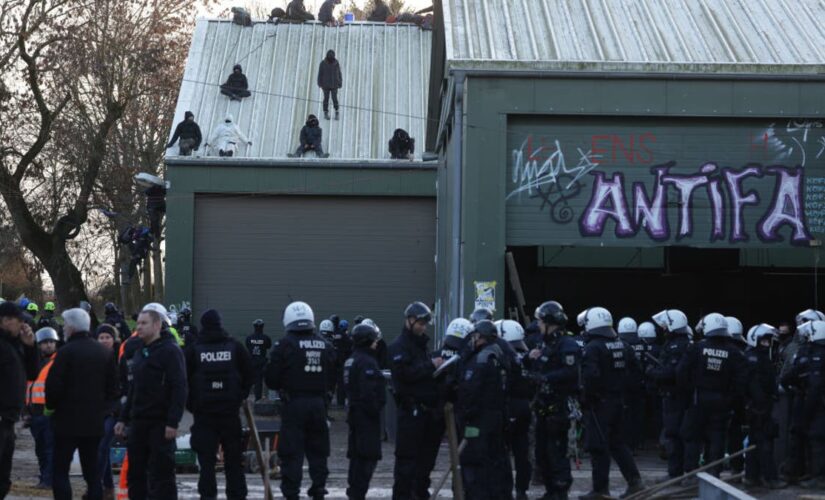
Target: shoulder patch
570, 360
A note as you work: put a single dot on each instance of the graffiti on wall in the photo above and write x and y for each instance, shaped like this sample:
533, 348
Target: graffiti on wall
619, 188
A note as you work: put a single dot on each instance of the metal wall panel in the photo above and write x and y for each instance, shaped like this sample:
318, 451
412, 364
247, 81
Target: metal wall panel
359, 255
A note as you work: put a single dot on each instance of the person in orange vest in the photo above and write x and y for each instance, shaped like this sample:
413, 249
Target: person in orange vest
40, 423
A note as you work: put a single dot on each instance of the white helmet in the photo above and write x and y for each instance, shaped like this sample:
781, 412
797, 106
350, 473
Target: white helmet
510, 330
369, 322
45, 334
459, 327
817, 330
327, 326
806, 330
735, 327
627, 325
173, 317
715, 325
809, 315
597, 321
159, 309
647, 330
298, 316
672, 320
759, 331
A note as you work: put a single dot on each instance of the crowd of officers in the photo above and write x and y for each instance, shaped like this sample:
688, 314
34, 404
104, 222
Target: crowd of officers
703, 392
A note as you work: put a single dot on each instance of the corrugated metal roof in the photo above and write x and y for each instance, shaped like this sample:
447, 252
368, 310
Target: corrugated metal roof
739, 36
386, 70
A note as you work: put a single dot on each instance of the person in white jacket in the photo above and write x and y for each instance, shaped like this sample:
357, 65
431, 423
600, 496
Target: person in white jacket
226, 136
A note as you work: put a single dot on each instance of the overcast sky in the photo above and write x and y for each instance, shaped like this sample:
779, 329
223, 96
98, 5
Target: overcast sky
312, 5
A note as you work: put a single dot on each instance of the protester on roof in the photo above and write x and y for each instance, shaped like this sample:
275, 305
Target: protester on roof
379, 13
402, 146
311, 138
226, 137
236, 85
188, 133
326, 13
296, 11
330, 80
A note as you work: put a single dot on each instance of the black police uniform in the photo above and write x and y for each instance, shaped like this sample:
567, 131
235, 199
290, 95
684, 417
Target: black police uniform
739, 418
797, 380
556, 371
607, 366
220, 375
301, 367
366, 396
651, 400
715, 372
342, 343
157, 396
520, 392
763, 391
258, 344
814, 414
187, 331
116, 320
635, 393
674, 399
418, 431
481, 404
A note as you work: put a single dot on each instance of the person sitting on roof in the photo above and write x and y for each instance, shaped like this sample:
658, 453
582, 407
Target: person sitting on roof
189, 134
326, 13
402, 146
311, 135
296, 11
379, 13
236, 85
226, 136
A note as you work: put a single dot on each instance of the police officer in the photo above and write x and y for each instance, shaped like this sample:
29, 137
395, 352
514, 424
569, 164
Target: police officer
301, 368
416, 394
481, 405
674, 398
739, 418
763, 391
607, 366
481, 314
153, 408
366, 395
554, 365
520, 392
715, 372
186, 329
343, 348
220, 374
47, 320
327, 330
652, 402
635, 394
258, 344
381, 351
814, 409
115, 318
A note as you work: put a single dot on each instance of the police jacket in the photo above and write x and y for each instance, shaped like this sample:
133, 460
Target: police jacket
814, 404
301, 364
795, 371
220, 373
18, 363
608, 367
763, 389
117, 321
81, 387
713, 369
557, 368
664, 373
364, 383
258, 344
158, 388
412, 371
187, 331
382, 354
481, 388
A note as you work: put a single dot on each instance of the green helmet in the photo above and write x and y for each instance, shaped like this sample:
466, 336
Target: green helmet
49, 306
32, 307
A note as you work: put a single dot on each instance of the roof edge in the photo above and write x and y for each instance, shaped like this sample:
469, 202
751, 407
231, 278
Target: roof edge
399, 165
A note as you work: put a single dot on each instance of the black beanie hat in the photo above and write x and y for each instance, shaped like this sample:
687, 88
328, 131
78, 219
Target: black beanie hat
106, 328
211, 319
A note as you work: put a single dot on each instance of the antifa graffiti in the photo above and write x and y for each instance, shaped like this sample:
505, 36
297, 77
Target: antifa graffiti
669, 202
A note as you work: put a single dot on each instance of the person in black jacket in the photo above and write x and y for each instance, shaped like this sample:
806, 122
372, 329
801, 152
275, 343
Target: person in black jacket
311, 138
813, 408
236, 86
402, 146
18, 363
301, 370
379, 13
520, 393
416, 395
330, 80
188, 132
106, 335
187, 331
80, 390
258, 344
326, 14
366, 396
115, 318
220, 375
153, 408
296, 11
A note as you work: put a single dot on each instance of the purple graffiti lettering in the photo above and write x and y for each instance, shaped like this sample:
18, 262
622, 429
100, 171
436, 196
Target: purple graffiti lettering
652, 215
786, 207
607, 201
717, 203
685, 184
739, 199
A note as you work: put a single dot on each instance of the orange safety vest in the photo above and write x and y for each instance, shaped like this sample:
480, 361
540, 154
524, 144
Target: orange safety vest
36, 393
123, 346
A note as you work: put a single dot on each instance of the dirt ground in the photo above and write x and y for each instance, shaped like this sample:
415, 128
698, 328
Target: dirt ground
24, 474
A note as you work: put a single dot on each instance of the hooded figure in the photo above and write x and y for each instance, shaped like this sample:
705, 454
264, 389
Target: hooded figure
236, 85
226, 136
189, 134
380, 13
311, 137
402, 146
326, 14
296, 11
330, 80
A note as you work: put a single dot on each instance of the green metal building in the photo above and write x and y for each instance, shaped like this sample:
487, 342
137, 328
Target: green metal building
636, 155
